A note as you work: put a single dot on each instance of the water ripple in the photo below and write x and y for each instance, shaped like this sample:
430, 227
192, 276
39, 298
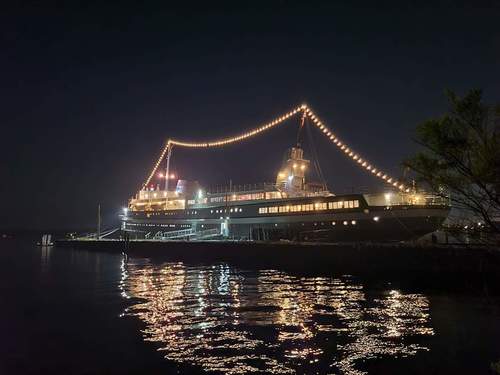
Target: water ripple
227, 320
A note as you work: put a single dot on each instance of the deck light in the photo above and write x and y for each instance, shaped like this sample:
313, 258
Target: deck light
388, 197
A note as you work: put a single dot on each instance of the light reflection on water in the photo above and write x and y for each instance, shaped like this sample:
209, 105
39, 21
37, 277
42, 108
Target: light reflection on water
224, 319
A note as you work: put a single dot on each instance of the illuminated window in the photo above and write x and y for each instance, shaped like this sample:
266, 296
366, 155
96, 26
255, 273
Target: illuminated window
263, 210
306, 207
320, 206
351, 204
273, 209
356, 203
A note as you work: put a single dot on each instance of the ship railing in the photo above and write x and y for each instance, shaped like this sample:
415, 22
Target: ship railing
240, 188
406, 199
234, 192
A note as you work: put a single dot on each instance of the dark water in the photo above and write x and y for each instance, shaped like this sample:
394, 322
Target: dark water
69, 311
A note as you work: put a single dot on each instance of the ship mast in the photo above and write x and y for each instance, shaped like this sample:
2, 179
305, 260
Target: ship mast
302, 122
167, 173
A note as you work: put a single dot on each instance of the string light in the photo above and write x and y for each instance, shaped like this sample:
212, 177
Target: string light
251, 133
158, 162
343, 147
248, 134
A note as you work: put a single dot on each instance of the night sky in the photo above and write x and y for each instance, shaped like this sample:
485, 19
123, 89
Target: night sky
90, 93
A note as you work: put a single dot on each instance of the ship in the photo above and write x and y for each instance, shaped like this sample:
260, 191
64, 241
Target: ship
288, 209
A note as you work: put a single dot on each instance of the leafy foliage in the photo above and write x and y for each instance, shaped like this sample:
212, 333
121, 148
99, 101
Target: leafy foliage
461, 156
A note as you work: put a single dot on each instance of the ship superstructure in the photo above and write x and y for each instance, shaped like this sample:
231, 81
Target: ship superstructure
291, 208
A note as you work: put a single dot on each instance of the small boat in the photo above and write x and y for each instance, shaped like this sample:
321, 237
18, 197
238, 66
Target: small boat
46, 240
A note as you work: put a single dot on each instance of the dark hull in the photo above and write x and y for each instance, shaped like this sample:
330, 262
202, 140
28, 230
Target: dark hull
364, 223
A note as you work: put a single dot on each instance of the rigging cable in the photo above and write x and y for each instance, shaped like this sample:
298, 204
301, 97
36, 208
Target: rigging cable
316, 121
315, 158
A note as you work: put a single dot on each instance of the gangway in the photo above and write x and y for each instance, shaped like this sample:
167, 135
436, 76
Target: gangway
174, 234
93, 236
186, 233
208, 233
